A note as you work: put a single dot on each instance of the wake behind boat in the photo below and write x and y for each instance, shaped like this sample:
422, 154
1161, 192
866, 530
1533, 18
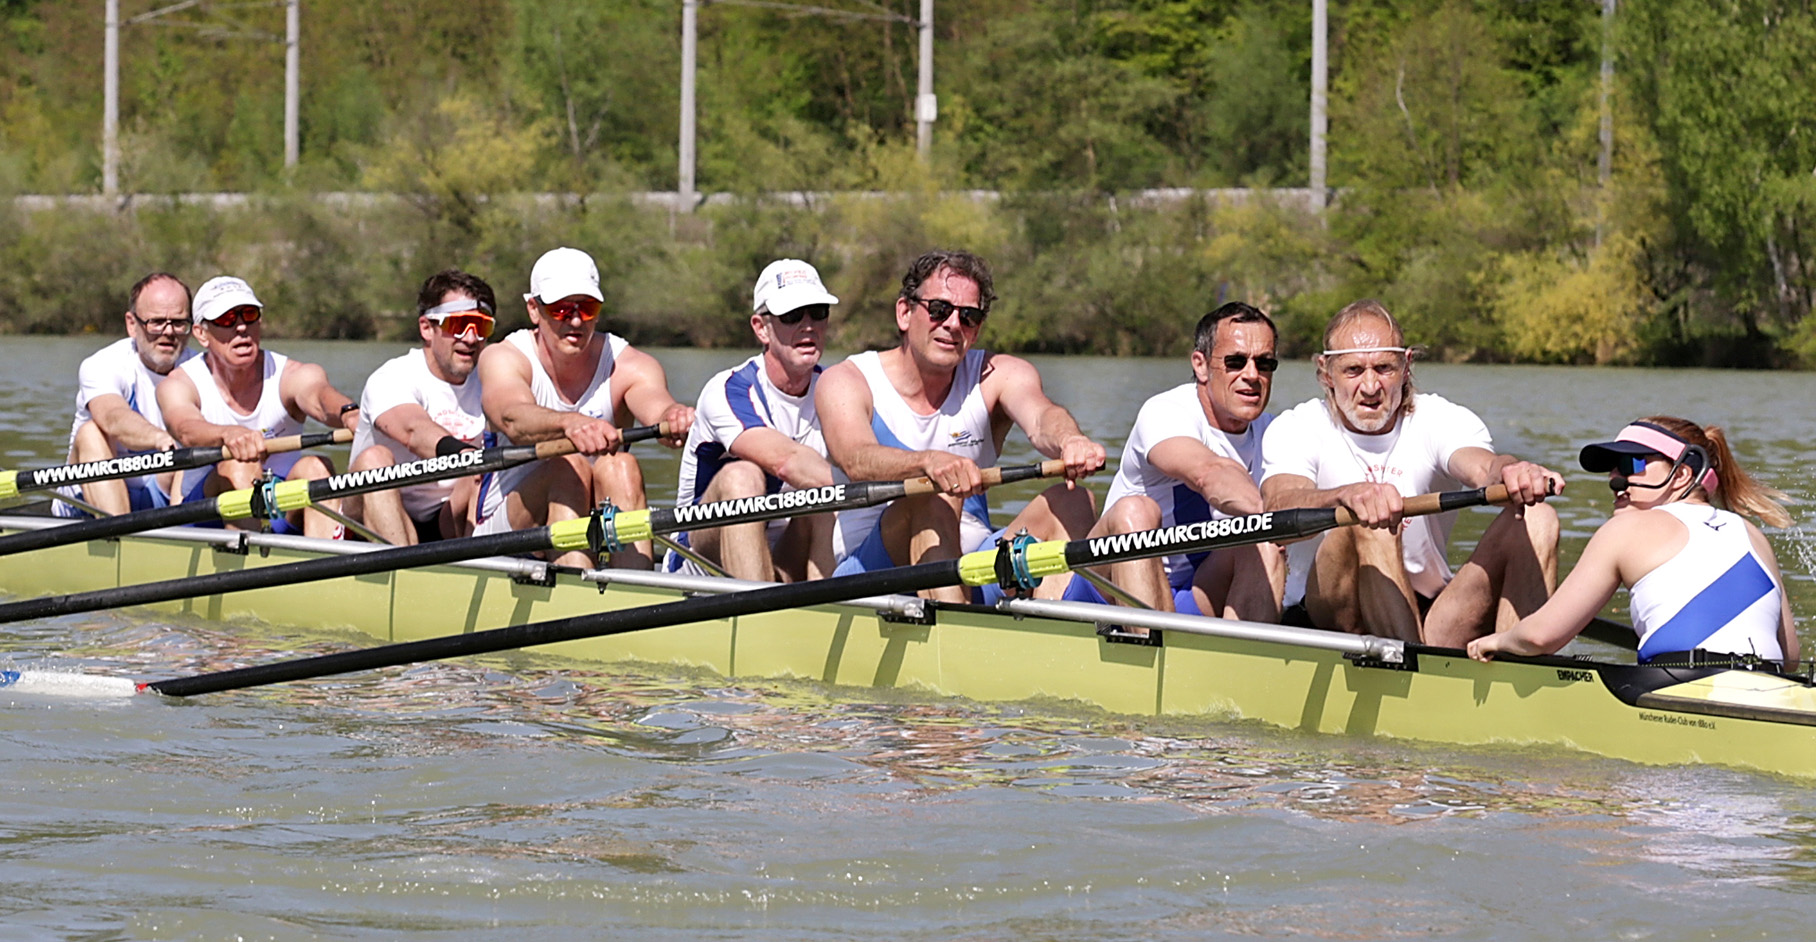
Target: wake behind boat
1294, 678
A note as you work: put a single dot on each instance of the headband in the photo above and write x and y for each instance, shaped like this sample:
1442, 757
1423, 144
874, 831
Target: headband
1332, 353
457, 306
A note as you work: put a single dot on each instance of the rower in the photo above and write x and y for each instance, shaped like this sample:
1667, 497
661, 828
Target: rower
116, 396
1703, 578
1195, 455
426, 403
1367, 443
237, 394
934, 406
564, 378
755, 432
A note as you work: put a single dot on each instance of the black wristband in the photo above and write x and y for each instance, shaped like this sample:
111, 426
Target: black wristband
449, 445
349, 407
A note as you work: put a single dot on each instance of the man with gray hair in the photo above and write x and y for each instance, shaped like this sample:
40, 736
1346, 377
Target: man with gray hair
756, 432
116, 395
1367, 444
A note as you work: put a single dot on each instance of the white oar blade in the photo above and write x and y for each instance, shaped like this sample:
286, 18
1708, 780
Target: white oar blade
61, 684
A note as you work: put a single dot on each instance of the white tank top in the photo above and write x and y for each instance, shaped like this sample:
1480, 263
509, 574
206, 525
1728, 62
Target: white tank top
595, 401
269, 417
1714, 595
961, 425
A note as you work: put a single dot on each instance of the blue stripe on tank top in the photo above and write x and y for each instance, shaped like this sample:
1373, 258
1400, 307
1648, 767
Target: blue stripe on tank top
737, 395
976, 505
1724, 600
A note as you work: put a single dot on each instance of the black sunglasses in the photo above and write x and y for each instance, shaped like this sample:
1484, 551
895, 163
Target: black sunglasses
1234, 362
939, 309
817, 312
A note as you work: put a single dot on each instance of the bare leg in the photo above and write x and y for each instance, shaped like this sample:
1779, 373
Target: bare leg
805, 550
619, 479
1511, 573
741, 550
91, 444
1061, 512
1243, 582
1358, 584
381, 511
922, 529
314, 468
557, 490
1146, 579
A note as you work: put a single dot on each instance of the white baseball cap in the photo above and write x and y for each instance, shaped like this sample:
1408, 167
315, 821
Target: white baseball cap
221, 294
562, 273
786, 284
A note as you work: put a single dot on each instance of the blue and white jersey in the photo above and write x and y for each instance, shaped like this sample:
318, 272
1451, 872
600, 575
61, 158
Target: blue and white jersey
1178, 413
1715, 595
961, 425
734, 402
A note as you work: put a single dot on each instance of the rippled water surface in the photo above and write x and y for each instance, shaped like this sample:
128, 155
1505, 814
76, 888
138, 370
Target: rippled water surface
513, 797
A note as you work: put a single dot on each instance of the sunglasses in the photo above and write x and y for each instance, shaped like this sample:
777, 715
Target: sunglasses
456, 325
1633, 465
161, 325
1235, 362
815, 312
938, 310
245, 313
587, 308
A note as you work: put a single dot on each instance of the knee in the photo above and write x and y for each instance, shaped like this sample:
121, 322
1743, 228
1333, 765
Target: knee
1542, 526
90, 443
1072, 504
1132, 513
618, 475
310, 467
374, 457
737, 479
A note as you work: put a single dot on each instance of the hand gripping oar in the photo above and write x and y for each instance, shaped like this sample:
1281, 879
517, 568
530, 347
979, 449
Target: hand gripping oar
137, 463
276, 498
602, 531
1014, 563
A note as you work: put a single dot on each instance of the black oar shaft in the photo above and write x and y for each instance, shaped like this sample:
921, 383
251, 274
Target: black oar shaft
106, 528
707, 608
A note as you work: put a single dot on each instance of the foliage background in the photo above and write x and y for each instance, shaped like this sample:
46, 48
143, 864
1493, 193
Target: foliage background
1463, 140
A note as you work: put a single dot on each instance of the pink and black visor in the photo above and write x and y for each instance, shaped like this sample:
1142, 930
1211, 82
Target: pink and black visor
1646, 440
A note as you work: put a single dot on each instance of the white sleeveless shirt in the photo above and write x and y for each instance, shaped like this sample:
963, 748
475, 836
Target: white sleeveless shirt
1714, 595
594, 401
269, 417
961, 426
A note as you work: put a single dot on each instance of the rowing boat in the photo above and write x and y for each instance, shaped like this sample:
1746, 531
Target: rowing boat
1295, 678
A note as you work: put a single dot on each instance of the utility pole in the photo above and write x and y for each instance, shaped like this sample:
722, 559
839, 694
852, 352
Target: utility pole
1605, 165
292, 71
110, 103
926, 105
1320, 100
690, 30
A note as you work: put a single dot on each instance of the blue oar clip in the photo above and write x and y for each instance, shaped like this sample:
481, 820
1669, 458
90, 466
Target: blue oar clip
602, 530
1012, 565
264, 497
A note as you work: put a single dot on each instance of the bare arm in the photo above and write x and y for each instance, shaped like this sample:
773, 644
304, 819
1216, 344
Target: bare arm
646, 395
1050, 428
1588, 587
1375, 505
842, 399
783, 457
410, 423
1225, 483
1526, 482
121, 424
1787, 626
181, 404
306, 389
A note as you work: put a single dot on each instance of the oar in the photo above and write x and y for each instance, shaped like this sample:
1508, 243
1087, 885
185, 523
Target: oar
594, 533
1019, 561
13, 483
280, 497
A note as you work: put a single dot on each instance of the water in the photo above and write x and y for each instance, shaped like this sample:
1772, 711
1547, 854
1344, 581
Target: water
489, 800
